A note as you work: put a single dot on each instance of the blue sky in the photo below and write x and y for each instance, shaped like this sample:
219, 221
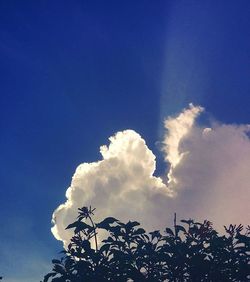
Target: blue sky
74, 73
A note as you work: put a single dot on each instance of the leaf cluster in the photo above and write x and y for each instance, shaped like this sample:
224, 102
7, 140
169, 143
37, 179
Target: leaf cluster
191, 251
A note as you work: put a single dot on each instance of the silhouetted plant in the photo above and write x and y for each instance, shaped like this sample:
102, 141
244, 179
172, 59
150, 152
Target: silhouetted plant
191, 251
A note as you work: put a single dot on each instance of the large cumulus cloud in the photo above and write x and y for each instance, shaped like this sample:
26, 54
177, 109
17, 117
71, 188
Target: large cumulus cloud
208, 177
213, 176
122, 184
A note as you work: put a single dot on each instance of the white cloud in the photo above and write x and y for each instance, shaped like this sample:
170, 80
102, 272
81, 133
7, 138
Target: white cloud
213, 177
120, 185
208, 177
177, 129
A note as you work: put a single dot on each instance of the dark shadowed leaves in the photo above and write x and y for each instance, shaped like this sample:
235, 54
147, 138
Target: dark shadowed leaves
105, 224
195, 253
79, 226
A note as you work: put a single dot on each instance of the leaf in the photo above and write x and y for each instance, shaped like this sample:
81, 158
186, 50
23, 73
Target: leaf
86, 245
106, 222
68, 263
190, 221
79, 226
59, 268
145, 235
104, 248
56, 261
180, 228
116, 230
47, 276
169, 231
72, 225
139, 231
155, 234
131, 224
58, 279
83, 266
108, 240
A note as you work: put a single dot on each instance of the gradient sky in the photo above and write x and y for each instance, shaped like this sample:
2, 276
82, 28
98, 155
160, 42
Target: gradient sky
72, 73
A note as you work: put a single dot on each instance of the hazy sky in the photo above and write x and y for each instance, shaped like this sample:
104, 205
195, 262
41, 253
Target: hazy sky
74, 73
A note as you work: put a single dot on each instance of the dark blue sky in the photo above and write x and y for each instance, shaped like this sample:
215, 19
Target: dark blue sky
72, 73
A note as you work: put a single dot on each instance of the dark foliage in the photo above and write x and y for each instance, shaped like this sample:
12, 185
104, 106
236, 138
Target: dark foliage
191, 251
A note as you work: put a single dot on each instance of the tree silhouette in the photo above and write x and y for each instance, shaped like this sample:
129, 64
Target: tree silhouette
191, 251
